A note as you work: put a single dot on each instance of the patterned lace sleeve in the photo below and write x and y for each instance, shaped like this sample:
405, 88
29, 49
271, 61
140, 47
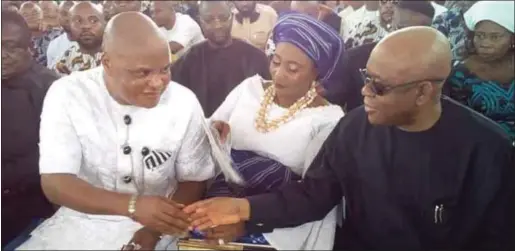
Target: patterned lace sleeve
194, 161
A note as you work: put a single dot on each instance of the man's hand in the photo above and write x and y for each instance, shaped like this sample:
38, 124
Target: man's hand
162, 215
145, 239
227, 233
223, 129
215, 212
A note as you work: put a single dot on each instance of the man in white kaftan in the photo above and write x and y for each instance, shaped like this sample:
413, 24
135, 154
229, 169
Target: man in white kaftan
124, 142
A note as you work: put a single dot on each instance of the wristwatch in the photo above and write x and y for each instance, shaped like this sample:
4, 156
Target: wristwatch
132, 206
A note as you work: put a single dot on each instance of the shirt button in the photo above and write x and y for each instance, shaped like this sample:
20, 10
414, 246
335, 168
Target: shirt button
6, 191
259, 224
127, 179
513, 143
145, 151
127, 150
127, 119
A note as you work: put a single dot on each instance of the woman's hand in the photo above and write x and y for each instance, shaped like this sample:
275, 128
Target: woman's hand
215, 212
223, 129
143, 239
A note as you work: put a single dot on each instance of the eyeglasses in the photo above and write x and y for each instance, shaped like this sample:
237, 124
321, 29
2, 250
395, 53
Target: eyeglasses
381, 90
211, 19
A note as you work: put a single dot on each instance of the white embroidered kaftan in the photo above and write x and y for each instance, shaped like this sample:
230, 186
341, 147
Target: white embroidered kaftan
86, 133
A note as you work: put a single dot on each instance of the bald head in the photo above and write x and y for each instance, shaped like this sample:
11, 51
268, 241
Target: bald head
29, 6
414, 53
48, 4
50, 11
32, 14
126, 6
167, 4
64, 15
87, 25
86, 6
163, 13
66, 5
404, 78
206, 6
132, 32
136, 60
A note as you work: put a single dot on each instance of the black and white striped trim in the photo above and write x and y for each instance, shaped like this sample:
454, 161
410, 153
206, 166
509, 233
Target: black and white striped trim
156, 158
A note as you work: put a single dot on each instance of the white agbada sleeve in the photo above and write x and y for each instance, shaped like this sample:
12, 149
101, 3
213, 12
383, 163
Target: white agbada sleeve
194, 162
59, 146
316, 235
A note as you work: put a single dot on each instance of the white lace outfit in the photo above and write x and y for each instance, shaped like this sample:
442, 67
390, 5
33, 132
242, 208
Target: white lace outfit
294, 144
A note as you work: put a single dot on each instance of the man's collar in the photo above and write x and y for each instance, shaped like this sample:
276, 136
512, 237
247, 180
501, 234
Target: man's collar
254, 16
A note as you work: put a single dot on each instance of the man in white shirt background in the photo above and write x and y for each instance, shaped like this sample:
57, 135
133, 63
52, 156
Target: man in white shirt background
59, 45
180, 30
372, 26
360, 12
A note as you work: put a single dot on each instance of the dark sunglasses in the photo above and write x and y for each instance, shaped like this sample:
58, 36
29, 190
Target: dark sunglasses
380, 89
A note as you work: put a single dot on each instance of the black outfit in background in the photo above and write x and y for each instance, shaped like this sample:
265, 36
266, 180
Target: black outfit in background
212, 73
334, 21
22, 196
347, 93
394, 181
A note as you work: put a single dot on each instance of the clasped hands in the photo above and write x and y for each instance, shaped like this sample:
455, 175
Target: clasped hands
219, 219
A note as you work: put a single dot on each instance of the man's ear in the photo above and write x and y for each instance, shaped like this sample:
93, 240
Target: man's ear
106, 62
425, 93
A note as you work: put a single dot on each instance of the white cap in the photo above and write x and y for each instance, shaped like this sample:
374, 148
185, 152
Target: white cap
500, 12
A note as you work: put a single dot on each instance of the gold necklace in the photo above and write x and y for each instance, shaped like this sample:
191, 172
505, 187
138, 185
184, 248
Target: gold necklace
264, 125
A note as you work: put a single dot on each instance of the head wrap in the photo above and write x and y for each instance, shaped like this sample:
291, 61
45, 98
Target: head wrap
500, 12
318, 40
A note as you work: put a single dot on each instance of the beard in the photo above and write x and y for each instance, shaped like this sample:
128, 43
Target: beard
90, 44
248, 9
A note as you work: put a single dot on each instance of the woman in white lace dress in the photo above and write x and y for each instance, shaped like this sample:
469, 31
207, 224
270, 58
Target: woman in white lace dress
276, 127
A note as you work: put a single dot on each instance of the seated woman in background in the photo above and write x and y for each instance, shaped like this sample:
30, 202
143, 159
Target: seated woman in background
278, 126
485, 81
